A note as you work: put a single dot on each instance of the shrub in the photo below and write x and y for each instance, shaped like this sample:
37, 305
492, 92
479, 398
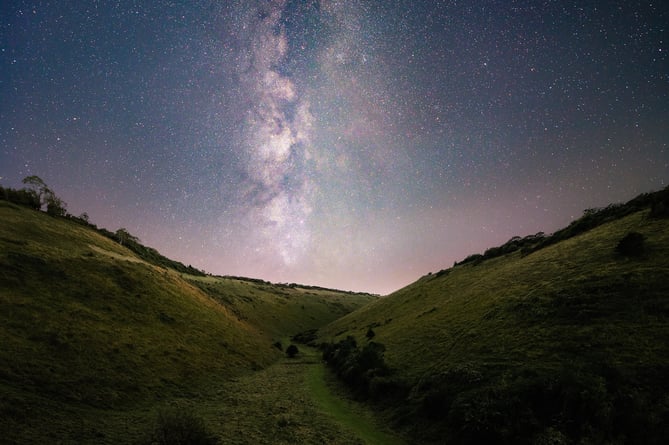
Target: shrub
660, 209
632, 244
358, 368
388, 387
292, 351
179, 427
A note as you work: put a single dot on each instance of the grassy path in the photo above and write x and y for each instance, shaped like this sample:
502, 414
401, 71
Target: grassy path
353, 416
291, 402
294, 401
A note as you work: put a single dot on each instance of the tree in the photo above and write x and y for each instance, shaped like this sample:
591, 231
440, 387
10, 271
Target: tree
124, 237
54, 205
25, 197
45, 196
37, 185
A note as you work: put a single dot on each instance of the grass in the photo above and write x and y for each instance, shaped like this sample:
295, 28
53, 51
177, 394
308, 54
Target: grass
94, 337
270, 406
289, 402
279, 310
333, 400
569, 343
509, 326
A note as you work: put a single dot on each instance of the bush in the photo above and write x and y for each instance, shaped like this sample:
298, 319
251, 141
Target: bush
660, 209
631, 245
23, 197
178, 427
292, 351
359, 368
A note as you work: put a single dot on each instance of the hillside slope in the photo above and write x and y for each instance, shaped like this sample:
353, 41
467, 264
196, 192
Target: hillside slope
567, 343
87, 327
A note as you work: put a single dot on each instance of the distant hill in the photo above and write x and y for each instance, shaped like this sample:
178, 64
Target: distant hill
548, 339
90, 329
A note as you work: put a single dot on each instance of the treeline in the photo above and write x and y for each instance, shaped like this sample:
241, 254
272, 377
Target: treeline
657, 202
35, 195
38, 196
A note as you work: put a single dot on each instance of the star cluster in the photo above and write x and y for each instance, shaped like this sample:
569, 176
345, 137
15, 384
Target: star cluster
344, 143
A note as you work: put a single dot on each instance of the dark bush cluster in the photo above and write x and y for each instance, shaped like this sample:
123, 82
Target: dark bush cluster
468, 405
149, 254
362, 369
292, 351
474, 259
514, 244
531, 406
22, 197
632, 245
180, 427
660, 204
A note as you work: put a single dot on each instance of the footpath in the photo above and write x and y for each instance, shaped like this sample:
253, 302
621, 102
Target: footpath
295, 401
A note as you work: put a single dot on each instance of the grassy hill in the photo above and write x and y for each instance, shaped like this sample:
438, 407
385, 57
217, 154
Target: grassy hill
558, 341
92, 334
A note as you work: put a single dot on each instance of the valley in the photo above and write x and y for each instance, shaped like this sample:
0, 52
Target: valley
559, 338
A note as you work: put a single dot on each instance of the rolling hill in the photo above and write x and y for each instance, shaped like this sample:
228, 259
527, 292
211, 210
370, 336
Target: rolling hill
546, 339
558, 339
94, 335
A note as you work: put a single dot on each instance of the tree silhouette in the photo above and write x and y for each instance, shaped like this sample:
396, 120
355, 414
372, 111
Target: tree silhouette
37, 185
54, 205
124, 237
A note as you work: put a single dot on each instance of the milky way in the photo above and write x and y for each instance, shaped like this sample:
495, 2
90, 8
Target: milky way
275, 136
345, 143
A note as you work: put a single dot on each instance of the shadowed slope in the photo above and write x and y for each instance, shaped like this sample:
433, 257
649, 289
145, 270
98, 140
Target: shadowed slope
566, 343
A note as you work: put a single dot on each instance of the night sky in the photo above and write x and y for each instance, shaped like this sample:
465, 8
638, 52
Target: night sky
349, 144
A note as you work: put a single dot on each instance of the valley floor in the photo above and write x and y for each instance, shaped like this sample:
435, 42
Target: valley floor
294, 401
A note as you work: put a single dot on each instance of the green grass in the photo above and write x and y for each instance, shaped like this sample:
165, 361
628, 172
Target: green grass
272, 406
351, 415
498, 330
568, 343
290, 402
280, 310
93, 337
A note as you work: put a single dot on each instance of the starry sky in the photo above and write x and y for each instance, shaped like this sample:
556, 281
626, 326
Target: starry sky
353, 144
